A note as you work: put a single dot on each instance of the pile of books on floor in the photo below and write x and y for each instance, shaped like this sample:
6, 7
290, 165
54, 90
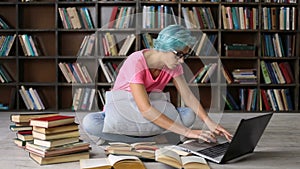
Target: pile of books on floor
55, 139
126, 156
21, 125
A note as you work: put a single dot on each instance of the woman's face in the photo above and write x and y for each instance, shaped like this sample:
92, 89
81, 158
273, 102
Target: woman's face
174, 58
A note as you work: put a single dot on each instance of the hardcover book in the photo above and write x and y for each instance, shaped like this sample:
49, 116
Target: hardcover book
58, 129
52, 121
59, 159
19, 118
59, 150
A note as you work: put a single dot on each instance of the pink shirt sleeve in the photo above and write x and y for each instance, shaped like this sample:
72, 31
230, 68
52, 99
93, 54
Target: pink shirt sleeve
135, 70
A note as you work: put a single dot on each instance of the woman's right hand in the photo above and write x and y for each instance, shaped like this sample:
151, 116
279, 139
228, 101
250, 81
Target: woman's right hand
204, 135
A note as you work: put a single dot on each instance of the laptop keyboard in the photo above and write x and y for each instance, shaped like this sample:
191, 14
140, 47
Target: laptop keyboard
215, 151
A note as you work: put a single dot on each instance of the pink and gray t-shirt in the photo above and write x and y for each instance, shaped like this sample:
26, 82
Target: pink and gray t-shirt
135, 70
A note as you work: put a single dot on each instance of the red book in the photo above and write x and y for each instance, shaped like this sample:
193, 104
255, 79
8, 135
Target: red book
288, 70
285, 73
265, 99
112, 18
52, 121
25, 132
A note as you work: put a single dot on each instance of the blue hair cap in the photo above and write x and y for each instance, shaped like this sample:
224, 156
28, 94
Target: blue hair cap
173, 37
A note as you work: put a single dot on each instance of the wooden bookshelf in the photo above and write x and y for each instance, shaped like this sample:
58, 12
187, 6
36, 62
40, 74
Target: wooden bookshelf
42, 19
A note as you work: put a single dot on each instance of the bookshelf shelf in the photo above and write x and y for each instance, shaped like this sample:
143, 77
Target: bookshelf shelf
42, 19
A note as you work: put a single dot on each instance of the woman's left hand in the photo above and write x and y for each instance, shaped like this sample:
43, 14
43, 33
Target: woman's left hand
217, 129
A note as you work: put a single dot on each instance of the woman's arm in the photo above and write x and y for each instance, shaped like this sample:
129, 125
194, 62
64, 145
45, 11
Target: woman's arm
191, 101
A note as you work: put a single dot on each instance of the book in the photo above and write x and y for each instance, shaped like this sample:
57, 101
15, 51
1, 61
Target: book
58, 129
59, 159
112, 161
173, 159
56, 142
19, 128
18, 118
68, 134
25, 135
140, 149
59, 150
52, 121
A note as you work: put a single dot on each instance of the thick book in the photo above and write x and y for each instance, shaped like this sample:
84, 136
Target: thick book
58, 129
19, 128
19, 118
59, 150
112, 161
173, 159
56, 142
52, 121
68, 134
59, 159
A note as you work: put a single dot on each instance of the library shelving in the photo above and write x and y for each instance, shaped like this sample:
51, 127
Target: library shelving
80, 33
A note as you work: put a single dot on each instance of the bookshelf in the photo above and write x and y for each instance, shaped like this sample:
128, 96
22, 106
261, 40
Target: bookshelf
60, 44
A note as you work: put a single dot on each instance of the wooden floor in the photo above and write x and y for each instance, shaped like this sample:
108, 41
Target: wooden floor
278, 147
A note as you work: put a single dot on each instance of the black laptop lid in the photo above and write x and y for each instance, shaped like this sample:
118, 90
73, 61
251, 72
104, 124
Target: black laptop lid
247, 136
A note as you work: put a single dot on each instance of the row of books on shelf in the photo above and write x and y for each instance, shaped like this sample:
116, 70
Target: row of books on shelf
198, 17
269, 100
282, 18
31, 45
203, 75
77, 17
158, 16
31, 99
75, 72
277, 73
83, 99
110, 70
235, 17
121, 17
275, 45
87, 47
5, 77
239, 49
49, 138
111, 47
6, 43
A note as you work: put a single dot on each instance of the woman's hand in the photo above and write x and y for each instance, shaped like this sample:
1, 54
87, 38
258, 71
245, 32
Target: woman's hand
217, 129
204, 135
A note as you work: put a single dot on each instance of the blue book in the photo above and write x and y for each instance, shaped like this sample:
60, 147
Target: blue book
253, 103
271, 73
242, 98
289, 99
235, 17
232, 101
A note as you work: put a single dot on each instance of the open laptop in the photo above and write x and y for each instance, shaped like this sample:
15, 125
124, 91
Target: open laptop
243, 142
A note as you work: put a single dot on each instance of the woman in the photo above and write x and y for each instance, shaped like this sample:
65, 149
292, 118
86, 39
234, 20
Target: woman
136, 108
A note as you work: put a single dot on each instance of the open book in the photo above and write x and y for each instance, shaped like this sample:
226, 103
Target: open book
172, 158
139, 149
112, 161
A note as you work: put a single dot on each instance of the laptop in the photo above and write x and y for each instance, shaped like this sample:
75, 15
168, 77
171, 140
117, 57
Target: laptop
244, 141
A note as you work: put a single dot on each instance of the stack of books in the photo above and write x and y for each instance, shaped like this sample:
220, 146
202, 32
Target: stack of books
56, 140
145, 150
22, 127
244, 76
